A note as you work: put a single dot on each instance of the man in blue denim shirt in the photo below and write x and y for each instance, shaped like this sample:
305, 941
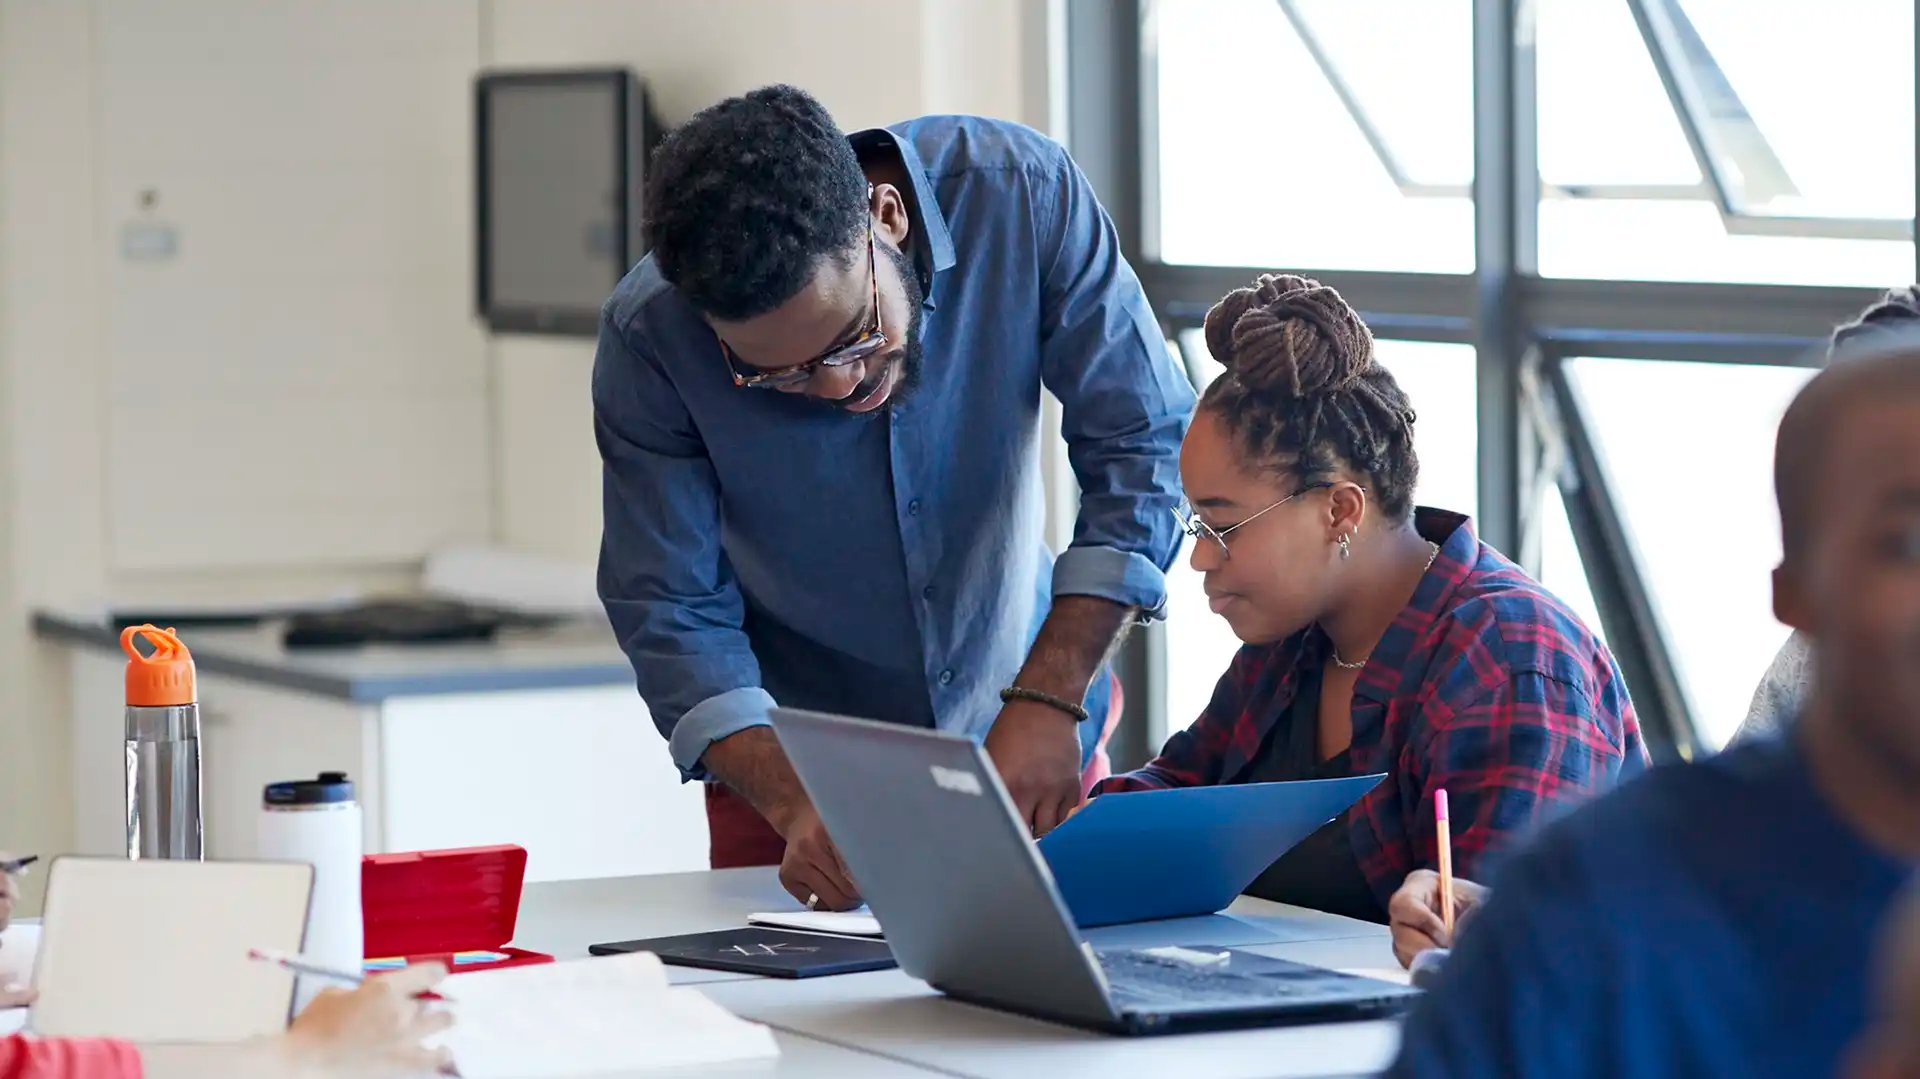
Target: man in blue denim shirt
818, 402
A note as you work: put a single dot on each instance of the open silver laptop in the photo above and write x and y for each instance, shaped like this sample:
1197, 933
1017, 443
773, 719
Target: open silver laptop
970, 907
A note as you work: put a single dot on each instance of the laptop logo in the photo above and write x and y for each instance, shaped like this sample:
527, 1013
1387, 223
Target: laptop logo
952, 779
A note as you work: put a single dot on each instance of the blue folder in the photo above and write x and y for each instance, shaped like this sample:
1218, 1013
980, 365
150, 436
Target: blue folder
1144, 855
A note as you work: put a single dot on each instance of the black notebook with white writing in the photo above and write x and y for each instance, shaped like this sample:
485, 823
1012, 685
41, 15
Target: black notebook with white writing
770, 953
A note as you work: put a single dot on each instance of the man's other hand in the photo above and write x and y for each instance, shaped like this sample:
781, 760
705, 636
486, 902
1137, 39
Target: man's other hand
811, 869
1036, 749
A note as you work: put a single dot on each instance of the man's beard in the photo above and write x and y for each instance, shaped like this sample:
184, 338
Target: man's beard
910, 355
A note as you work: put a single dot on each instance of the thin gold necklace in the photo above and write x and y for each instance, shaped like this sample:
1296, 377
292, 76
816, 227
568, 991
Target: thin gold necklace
1361, 665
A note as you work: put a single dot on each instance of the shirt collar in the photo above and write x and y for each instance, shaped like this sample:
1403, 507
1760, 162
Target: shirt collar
935, 251
1395, 667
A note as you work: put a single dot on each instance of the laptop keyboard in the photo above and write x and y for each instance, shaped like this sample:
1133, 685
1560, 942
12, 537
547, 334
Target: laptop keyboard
1140, 978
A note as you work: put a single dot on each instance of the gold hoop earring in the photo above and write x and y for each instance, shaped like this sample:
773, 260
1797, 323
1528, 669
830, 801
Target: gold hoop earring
1346, 546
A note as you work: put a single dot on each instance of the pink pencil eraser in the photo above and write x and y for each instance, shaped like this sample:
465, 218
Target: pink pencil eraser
1440, 804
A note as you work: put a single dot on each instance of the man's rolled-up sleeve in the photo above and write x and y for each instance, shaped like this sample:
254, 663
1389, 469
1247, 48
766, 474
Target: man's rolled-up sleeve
1124, 402
664, 579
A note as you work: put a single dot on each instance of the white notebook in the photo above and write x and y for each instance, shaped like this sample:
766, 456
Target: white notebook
590, 1017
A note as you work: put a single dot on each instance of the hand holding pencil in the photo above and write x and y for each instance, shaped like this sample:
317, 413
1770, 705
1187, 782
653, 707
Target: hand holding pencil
378, 1030
1431, 906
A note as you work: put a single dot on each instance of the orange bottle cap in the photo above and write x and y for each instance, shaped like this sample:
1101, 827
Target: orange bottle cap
162, 679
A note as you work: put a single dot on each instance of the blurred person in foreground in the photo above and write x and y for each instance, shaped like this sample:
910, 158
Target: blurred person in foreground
1890, 1049
1719, 918
1784, 686
378, 1031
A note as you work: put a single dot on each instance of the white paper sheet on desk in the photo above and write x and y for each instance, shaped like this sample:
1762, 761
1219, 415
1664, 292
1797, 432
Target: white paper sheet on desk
17, 948
18, 945
851, 923
590, 1017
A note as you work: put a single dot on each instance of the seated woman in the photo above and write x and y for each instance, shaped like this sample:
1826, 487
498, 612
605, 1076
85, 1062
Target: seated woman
1380, 637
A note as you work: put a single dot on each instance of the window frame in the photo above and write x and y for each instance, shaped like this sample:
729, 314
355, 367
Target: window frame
1533, 426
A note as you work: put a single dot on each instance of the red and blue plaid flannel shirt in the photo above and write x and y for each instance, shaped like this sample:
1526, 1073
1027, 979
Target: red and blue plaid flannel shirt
1485, 685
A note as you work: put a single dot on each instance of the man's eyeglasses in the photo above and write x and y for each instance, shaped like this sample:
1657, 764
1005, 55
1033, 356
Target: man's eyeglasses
868, 343
1199, 529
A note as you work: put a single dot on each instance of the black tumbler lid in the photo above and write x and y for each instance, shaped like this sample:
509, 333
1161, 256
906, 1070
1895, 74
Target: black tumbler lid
330, 788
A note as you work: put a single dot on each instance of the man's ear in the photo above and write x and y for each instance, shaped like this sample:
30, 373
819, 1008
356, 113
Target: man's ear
891, 222
1790, 599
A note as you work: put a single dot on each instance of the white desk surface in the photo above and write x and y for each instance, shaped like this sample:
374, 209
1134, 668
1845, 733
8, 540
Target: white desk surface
801, 1057
887, 1023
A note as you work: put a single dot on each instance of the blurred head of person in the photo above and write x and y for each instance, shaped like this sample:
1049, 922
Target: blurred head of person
1299, 456
760, 214
1890, 1049
1847, 477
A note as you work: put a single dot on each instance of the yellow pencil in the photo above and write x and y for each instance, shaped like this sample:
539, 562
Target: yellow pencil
1443, 841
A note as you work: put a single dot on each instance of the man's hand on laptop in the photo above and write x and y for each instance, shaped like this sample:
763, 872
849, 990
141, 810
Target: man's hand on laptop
1036, 749
811, 869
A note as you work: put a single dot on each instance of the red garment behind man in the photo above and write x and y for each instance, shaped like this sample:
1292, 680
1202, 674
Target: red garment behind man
738, 836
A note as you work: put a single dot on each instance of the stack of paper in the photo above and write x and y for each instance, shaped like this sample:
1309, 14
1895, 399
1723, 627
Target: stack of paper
590, 1017
852, 923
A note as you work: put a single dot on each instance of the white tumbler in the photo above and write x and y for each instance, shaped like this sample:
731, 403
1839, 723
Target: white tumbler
317, 821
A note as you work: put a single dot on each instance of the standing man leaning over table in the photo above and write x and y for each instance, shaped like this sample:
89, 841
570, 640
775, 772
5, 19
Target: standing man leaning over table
817, 401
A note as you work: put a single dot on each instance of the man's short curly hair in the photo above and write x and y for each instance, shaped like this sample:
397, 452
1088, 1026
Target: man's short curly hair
746, 199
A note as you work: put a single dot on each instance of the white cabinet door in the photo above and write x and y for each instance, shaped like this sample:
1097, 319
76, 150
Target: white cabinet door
579, 777
252, 735
99, 751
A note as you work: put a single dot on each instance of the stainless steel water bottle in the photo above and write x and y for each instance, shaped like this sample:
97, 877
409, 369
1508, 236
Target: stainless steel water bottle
163, 747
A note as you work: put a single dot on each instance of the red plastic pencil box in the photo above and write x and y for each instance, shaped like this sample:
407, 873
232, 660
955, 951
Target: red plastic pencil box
446, 905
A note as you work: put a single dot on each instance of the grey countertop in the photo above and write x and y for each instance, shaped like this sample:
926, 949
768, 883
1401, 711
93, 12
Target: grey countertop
570, 655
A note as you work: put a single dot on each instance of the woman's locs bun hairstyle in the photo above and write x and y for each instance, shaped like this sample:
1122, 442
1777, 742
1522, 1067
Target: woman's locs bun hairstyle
1290, 335
1303, 394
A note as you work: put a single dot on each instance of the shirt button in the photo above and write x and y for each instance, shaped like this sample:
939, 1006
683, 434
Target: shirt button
927, 592
946, 677
913, 508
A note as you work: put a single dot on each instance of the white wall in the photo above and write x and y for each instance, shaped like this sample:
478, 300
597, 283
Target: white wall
870, 62
300, 400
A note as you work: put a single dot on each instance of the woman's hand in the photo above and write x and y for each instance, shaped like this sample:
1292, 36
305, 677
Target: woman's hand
1414, 913
375, 1032
9, 893
11, 996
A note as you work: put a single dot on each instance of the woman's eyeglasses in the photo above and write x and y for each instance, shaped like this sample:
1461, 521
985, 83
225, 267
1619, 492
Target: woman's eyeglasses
1191, 523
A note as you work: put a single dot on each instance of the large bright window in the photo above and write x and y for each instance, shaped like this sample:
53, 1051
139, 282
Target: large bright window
1335, 134
1561, 570
1688, 450
1667, 159
1439, 379
1801, 114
